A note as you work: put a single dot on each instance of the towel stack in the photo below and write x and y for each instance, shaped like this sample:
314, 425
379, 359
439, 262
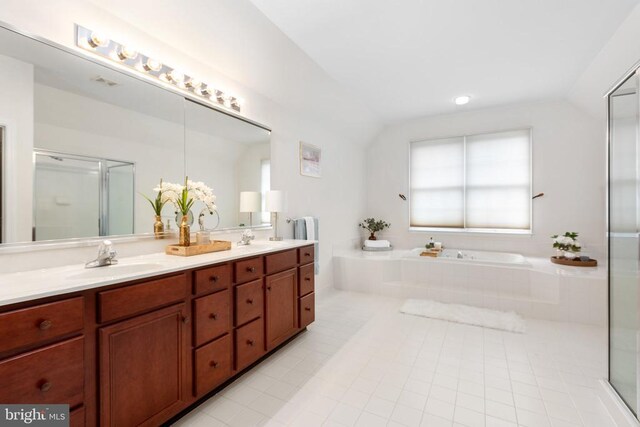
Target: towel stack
377, 244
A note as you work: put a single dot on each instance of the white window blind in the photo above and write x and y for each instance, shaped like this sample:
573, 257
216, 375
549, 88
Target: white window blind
472, 182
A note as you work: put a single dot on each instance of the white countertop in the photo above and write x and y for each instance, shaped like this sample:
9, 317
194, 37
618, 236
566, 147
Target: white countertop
40, 283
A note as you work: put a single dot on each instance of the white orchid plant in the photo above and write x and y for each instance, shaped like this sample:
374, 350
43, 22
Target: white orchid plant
184, 196
567, 242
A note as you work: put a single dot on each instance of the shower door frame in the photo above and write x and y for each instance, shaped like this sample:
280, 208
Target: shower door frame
635, 69
103, 199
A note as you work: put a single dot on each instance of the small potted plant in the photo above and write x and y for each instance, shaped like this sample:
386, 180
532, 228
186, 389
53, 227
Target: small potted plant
157, 204
567, 245
373, 226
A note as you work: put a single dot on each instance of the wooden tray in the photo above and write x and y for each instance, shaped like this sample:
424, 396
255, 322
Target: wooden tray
214, 246
433, 254
574, 262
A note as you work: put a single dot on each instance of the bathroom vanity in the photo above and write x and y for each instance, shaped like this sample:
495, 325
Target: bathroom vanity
138, 344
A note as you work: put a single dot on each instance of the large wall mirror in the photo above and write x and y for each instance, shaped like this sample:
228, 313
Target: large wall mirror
80, 142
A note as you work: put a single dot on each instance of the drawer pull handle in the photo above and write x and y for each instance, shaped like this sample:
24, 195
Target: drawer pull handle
308, 279
250, 342
45, 386
213, 316
307, 309
45, 324
249, 301
251, 269
268, 288
213, 364
185, 319
214, 279
307, 254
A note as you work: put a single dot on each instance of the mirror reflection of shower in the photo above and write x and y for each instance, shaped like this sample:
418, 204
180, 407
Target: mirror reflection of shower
81, 196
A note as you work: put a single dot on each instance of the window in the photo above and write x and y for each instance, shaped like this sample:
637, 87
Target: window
477, 182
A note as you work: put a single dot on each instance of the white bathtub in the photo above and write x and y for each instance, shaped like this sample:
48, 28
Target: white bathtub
473, 257
530, 286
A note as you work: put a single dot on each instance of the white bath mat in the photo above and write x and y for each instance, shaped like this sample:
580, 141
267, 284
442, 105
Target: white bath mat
507, 321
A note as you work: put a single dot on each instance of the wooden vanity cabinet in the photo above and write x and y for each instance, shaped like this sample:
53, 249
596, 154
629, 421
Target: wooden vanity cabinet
139, 353
42, 354
281, 303
144, 359
143, 368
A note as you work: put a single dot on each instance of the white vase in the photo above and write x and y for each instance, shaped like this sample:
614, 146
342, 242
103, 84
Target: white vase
571, 255
559, 253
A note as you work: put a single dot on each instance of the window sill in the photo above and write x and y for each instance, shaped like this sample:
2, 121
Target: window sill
471, 231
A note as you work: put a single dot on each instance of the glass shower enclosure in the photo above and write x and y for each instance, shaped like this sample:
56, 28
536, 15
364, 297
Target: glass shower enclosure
79, 196
623, 238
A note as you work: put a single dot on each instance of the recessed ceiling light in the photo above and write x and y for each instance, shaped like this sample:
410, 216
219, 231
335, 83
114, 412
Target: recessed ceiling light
462, 100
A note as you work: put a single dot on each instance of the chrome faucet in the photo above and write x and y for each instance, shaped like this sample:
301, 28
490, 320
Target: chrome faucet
106, 256
246, 238
460, 255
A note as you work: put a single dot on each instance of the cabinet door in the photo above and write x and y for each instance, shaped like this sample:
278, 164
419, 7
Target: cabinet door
281, 292
144, 368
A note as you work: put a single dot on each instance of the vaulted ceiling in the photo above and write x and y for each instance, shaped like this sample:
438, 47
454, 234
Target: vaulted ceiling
410, 58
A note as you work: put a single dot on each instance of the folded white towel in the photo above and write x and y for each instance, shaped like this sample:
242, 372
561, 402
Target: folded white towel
311, 227
377, 243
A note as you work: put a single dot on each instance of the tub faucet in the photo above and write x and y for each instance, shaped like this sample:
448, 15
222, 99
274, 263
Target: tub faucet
246, 238
460, 256
106, 256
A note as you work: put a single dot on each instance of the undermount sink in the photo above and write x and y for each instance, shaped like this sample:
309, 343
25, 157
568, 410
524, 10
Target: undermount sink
114, 270
259, 246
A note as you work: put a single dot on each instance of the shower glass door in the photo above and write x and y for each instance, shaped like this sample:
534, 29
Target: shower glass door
623, 241
79, 196
66, 197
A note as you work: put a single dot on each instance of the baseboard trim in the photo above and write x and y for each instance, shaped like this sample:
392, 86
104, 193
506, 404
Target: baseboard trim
616, 407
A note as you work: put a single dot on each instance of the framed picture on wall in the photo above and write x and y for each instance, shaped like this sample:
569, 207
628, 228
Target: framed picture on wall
310, 160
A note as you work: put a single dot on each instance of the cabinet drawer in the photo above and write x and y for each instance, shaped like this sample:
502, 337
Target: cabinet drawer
40, 323
53, 374
213, 364
306, 254
249, 343
142, 297
307, 310
212, 279
281, 261
307, 279
248, 270
249, 301
212, 315
76, 417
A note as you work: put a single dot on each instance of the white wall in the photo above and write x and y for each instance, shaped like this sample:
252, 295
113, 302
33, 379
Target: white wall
568, 166
620, 53
16, 116
302, 102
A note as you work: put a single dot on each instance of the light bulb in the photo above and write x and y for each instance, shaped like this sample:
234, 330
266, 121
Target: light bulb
176, 76
193, 83
207, 91
152, 65
97, 40
125, 53
462, 100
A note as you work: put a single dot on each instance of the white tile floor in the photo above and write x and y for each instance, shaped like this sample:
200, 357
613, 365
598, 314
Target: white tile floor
362, 363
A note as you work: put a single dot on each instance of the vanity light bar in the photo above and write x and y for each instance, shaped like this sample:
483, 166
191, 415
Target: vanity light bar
102, 46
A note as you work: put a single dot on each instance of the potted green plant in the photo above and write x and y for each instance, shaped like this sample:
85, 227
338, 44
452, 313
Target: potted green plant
373, 226
157, 204
567, 245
